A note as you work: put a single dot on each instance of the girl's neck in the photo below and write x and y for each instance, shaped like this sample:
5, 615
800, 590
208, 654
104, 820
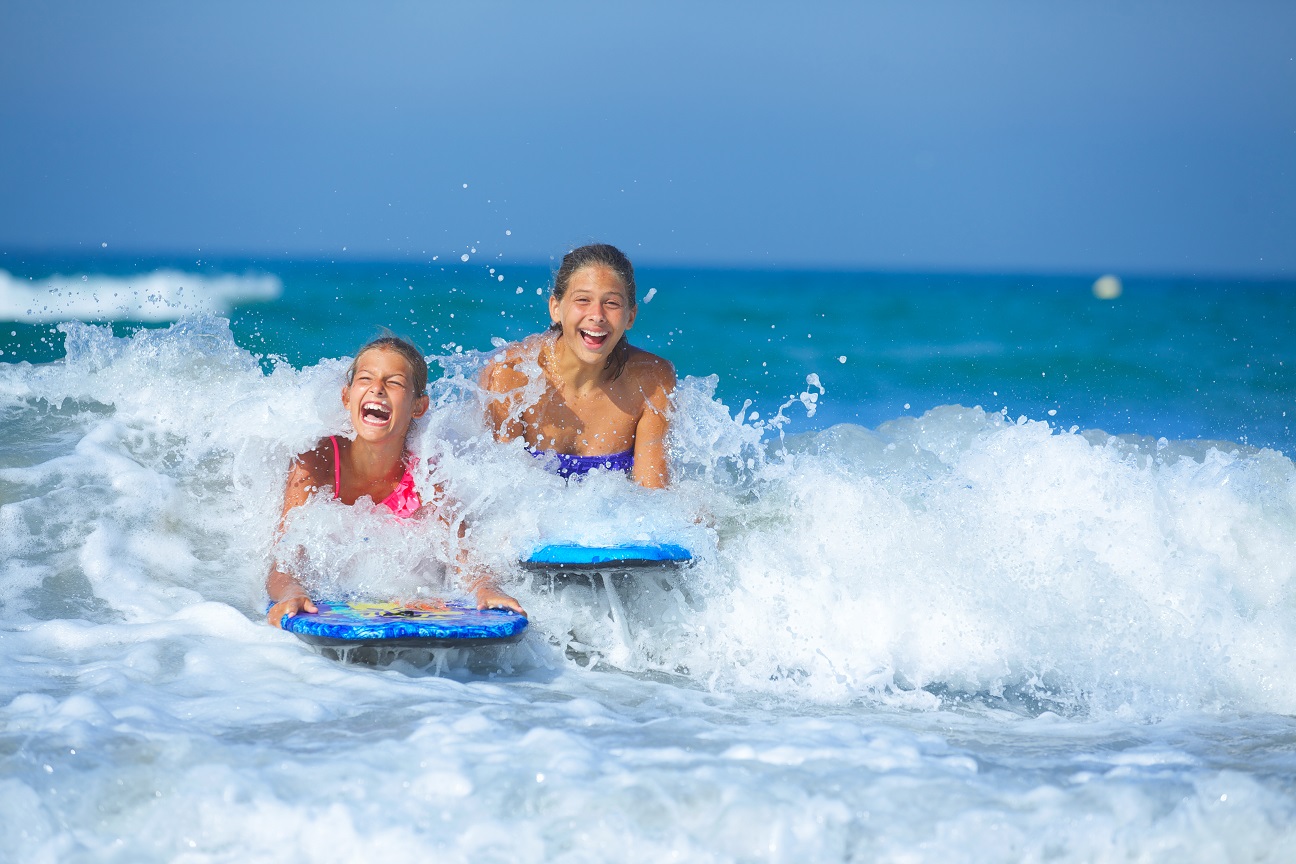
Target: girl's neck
369, 461
567, 368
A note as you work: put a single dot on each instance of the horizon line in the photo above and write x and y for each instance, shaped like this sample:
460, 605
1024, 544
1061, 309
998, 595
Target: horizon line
118, 254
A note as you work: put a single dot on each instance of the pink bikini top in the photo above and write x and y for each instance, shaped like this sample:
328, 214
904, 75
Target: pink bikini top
404, 501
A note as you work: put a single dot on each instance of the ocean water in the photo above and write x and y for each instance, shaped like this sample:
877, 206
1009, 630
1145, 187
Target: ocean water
988, 569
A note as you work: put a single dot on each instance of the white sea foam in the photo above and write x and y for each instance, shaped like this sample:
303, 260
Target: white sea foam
893, 641
163, 295
957, 554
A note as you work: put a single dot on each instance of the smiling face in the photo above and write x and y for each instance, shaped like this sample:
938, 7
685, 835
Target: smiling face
594, 313
381, 397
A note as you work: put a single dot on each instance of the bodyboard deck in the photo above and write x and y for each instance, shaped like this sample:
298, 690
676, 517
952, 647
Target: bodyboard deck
423, 624
577, 557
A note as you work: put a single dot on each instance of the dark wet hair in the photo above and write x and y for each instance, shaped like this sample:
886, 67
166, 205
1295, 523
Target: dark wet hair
598, 255
403, 347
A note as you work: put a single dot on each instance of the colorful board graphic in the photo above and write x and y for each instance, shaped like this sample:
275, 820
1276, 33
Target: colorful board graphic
425, 623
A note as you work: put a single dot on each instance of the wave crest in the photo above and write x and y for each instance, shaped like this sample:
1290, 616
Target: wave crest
163, 295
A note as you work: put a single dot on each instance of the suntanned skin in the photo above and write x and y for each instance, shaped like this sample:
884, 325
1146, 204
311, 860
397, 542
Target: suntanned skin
372, 465
583, 410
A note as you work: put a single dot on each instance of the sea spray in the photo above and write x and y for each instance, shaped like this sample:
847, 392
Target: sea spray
954, 556
975, 557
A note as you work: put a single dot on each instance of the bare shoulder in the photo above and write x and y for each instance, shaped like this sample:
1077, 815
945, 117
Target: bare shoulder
504, 373
314, 468
649, 372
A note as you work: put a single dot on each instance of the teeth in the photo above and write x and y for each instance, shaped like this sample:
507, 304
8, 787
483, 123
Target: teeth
376, 409
597, 334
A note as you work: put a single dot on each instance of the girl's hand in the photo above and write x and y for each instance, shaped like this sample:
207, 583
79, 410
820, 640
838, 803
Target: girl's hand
490, 597
290, 606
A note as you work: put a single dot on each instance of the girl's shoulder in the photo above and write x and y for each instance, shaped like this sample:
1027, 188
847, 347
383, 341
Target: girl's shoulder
506, 368
316, 464
648, 370
309, 472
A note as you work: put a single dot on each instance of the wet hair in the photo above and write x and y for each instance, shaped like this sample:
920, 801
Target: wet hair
598, 255
403, 347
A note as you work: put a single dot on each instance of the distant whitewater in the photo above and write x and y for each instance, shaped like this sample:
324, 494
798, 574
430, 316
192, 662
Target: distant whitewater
162, 295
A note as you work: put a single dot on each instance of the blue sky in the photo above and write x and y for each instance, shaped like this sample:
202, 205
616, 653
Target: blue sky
995, 136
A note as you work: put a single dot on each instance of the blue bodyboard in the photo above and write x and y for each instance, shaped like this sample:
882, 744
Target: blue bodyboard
421, 624
572, 556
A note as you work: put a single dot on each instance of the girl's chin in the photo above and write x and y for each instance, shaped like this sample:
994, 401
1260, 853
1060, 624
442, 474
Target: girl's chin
373, 433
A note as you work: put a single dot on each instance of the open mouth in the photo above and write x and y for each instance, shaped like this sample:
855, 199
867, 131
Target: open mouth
593, 339
375, 414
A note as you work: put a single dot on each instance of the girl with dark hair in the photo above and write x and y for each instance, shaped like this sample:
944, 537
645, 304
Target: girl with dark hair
603, 402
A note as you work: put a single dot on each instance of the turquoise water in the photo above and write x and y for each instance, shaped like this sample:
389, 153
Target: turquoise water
916, 629
1174, 358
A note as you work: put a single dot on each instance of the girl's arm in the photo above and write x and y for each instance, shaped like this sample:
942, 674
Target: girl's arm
473, 576
500, 377
480, 582
489, 596
286, 593
650, 468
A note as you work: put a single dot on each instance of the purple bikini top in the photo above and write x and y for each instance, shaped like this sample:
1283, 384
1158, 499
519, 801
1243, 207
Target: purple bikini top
567, 465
